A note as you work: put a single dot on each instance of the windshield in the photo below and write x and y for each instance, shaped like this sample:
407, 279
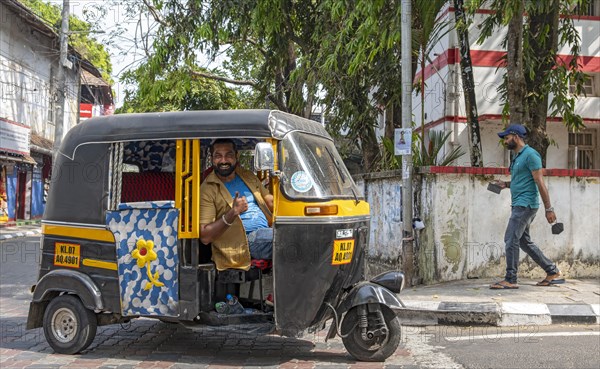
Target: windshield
313, 169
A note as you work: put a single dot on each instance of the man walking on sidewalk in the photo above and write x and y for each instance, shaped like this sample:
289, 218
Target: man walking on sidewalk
526, 185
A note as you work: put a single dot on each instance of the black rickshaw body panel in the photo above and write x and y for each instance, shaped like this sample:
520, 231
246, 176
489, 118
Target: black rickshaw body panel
186, 124
306, 274
96, 259
79, 187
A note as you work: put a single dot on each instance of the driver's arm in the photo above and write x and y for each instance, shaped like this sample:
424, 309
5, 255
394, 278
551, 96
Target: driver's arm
269, 201
211, 231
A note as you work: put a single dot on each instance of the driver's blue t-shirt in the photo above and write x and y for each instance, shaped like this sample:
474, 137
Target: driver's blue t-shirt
253, 218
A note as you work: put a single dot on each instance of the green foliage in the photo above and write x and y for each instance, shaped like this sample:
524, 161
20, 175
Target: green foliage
293, 54
82, 41
359, 64
175, 91
430, 156
360, 49
268, 43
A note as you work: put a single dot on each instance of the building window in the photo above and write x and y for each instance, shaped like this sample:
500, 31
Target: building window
590, 86
592, 9
583, 150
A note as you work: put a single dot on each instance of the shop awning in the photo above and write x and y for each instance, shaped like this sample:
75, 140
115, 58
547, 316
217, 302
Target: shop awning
40, 144
18, 159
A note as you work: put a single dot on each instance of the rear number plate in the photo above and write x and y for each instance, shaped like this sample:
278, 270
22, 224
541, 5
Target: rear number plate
342, 252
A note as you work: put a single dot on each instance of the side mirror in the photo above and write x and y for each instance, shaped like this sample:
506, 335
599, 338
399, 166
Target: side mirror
264, 159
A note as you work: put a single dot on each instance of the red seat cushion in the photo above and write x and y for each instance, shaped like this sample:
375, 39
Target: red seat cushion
261, 264
148, 186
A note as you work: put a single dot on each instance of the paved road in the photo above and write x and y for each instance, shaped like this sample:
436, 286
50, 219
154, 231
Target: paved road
554, 346
153, 344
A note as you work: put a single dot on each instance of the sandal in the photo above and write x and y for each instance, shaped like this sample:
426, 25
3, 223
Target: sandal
551, 279
504, 285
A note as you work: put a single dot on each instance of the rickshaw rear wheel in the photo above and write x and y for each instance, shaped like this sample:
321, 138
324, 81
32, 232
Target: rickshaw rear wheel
68, 326
376, 347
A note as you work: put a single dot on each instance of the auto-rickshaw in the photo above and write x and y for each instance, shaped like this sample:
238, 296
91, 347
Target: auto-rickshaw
121, 236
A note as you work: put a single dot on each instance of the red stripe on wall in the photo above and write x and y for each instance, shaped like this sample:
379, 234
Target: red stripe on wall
483, 117
492, 58
489, 11
504, 171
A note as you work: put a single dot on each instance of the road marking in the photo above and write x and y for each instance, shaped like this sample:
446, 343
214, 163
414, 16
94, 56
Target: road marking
529, 335
426, 355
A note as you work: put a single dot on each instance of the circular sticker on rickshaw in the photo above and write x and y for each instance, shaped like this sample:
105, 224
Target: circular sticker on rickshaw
301, 182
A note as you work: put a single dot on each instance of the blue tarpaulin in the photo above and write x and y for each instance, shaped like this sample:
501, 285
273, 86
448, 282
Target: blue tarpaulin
11, 192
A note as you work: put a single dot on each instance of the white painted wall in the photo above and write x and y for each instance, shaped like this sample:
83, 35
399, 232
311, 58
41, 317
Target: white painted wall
28, 64
465, 224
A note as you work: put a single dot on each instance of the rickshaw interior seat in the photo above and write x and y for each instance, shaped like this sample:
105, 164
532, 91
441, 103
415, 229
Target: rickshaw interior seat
148, 186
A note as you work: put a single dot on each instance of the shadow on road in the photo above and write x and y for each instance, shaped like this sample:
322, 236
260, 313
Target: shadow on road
149, 340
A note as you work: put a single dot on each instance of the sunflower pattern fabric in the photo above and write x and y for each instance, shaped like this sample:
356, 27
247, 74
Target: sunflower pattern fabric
147, 259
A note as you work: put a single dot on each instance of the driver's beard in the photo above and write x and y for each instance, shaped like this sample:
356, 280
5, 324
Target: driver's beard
511, 145
224, 172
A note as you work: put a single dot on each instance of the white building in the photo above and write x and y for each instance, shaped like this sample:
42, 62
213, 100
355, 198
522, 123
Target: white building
29, 62
444, 101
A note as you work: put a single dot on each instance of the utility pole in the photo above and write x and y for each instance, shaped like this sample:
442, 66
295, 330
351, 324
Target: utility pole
407, 168
61, 90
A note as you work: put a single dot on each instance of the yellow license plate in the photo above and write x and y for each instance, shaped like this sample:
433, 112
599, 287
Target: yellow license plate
67, 254
342, 252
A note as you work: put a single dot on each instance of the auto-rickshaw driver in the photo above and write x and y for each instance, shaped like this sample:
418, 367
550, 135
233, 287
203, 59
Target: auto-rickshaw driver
235, 210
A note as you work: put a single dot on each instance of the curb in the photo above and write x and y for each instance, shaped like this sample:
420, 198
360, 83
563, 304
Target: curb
18, 234
504, 314
19, 223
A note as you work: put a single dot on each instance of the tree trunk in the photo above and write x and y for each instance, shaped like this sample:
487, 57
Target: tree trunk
543, 41
391, 116
516, 85
468, 85
369, 146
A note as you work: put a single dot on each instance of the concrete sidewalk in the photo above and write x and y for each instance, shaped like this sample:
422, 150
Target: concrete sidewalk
471, 302
20, 229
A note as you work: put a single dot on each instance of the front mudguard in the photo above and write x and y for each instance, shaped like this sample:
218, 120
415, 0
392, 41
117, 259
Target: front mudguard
365, 293
368, 293
62, 281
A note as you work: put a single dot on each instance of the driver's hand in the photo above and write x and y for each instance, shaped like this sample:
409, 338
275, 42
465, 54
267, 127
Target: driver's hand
240, 204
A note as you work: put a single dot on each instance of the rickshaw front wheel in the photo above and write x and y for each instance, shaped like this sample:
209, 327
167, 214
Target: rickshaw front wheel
68, 326
366, 337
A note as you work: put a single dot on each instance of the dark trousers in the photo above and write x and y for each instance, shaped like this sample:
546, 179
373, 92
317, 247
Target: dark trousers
517, 237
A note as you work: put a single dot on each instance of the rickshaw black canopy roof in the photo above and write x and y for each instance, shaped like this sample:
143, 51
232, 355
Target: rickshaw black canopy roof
187, 124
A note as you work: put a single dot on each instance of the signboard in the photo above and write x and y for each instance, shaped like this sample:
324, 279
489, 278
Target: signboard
85, 111
14, 137
402, 141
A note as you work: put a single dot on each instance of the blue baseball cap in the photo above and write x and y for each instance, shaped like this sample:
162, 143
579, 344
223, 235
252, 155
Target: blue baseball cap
513, 129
